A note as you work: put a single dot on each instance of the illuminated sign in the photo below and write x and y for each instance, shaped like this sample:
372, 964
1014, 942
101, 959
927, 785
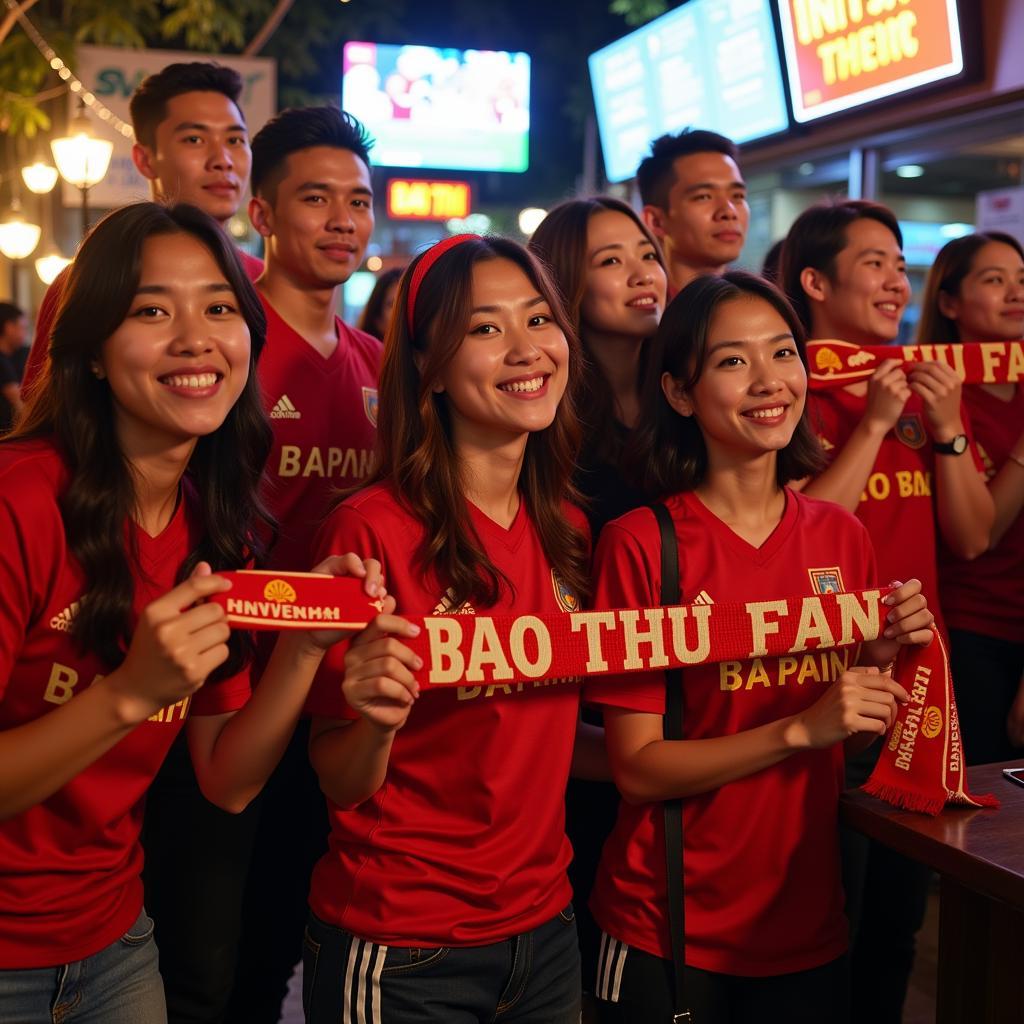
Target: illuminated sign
841, 54
428, 200
438, 107
708, 64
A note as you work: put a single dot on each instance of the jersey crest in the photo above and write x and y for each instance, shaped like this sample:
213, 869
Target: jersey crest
370, 404
826, 581
567, 600
910, 430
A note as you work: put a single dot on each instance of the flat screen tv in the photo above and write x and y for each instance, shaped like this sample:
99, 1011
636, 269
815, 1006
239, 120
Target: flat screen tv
711, 64
459, 110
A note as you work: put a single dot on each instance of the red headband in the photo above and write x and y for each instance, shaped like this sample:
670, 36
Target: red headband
429, 258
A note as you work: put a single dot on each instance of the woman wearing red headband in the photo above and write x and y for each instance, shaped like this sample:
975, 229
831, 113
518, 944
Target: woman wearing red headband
444, 895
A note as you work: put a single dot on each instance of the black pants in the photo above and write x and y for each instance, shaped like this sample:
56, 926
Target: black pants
229, 893
196, 861
986, 676
886, 899
590, 811
645, 993
291, 838
533, 978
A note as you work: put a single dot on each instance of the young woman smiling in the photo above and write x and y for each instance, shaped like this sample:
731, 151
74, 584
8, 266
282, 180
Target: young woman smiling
135, 468
444, 895
611, 274
723, 429
975, 292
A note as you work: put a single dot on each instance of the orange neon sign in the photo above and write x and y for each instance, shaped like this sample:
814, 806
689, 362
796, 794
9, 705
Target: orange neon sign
428, 200
843, 53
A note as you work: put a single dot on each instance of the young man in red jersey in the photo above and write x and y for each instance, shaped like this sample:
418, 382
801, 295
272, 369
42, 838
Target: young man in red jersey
902, 462
192, 146
313, 204
695, 202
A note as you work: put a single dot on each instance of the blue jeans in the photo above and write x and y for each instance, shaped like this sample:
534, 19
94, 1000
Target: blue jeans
118, 985
534, 977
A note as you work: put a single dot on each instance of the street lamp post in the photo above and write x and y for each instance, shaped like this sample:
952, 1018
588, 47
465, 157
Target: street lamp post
82, 159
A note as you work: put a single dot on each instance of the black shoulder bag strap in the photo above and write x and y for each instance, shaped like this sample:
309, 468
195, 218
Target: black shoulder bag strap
673, 730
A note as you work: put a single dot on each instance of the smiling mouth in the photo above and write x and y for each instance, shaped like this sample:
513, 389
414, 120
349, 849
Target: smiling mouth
190, 380
887, 307
518, 387
766, 414
643, 302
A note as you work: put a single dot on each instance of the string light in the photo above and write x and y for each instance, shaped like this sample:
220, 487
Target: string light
67, 75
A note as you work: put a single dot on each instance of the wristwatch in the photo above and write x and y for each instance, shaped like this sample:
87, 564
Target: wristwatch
955, 447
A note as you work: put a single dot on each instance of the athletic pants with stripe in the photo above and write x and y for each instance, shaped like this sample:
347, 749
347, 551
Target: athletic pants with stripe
533, 978
634, 987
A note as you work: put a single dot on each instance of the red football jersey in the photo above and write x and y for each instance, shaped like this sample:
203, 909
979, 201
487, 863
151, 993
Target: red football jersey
464, 843
48, 313
763, 892
69, 867
324, 415
898, 504
987, 595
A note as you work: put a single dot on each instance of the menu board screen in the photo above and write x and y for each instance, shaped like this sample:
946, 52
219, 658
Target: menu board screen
710, 64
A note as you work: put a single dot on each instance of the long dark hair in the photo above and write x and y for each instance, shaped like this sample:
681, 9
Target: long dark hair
561, 242
416, 457
370, 317
668, 449
76, 409
952, 264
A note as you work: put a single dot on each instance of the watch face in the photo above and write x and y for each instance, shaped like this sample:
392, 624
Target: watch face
960, 444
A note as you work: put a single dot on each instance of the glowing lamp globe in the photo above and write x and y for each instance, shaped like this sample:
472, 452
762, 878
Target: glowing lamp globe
18, 238
39, 177
49, 266
81, 158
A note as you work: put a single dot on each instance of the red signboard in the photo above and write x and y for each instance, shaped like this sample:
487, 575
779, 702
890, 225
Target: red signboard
843, 53
428, 200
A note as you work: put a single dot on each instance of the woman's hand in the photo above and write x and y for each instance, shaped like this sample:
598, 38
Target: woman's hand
939, 388
861, 700
908, 622
177, 643
379, 681
372, 575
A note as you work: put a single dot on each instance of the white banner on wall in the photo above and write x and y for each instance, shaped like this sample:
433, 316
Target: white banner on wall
113, 74
1001, 209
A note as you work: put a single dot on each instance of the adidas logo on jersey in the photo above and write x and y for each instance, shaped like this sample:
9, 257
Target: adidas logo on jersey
62, 620
284, 410
703, 598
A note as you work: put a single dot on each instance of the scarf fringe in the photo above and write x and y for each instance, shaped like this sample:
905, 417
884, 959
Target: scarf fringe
905, 799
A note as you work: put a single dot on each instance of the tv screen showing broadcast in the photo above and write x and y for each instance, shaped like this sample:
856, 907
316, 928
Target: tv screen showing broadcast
460, 110
710, 64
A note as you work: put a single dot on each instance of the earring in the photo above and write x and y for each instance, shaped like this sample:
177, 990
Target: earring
97, 371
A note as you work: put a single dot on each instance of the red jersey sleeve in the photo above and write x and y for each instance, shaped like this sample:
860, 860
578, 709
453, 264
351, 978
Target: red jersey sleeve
345, 529
16, 598
627, 574
223, 696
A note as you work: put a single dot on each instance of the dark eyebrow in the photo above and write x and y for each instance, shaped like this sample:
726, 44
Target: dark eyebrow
878, 252
535, 301
195, 126
323, 186
1002, 270
743, 344
711, 184
162, 289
